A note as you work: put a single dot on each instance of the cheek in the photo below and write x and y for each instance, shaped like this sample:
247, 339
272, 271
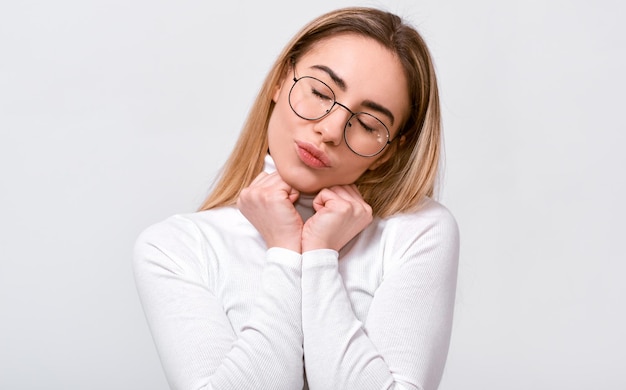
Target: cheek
282, 120
278, 127
272, 129
278, 122
353, 169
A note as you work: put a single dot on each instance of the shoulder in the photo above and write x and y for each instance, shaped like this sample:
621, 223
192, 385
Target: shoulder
184, 240
431, 217
186, 228
429, 234
179, 227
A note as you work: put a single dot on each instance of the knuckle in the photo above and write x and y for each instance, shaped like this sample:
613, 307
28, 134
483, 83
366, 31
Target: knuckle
245, 195
365, 212
345, 208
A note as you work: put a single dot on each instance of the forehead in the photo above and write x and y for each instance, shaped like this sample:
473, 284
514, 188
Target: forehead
370, 71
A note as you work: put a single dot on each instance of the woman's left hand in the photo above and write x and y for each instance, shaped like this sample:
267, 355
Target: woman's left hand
340, 214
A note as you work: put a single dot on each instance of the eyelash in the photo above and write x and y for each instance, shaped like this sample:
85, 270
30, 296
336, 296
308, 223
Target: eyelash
320, 95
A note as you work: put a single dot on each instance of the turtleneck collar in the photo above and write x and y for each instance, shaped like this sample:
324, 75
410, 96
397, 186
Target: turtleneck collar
304, 204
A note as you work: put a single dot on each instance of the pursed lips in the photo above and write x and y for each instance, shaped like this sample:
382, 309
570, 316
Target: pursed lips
311, 155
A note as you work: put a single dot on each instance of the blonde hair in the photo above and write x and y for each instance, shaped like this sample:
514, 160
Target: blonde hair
400, 183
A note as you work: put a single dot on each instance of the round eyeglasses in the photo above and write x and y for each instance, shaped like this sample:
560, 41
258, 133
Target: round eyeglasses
313, 99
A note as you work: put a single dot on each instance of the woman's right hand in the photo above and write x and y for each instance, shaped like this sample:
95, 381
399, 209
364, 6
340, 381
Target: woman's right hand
268, 204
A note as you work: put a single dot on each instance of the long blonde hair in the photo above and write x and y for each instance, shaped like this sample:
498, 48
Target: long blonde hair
401, 182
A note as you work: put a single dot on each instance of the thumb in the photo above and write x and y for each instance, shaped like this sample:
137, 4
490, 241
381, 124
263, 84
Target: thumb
322, 198
293, 195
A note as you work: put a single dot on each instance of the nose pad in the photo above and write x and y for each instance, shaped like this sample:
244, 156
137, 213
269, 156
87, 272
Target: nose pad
331, 126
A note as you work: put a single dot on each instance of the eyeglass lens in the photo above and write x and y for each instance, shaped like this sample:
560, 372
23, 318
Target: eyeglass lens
312, 99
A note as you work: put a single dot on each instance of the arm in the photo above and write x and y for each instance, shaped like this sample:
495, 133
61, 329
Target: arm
404, 342
195, 340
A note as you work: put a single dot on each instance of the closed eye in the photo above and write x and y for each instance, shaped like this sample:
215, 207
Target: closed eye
320, 95
365, 126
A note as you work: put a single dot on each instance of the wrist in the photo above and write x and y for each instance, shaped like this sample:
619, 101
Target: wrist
292, 245
311, 245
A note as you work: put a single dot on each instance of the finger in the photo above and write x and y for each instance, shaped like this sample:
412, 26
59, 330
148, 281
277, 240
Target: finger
343, 192
270, 181
293, 194
353, 189
275, 182
322, 197
349, 193
260, 178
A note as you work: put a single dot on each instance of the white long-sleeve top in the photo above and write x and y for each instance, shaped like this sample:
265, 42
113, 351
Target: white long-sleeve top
226, 312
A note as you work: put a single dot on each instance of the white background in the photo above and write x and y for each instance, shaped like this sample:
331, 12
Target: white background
117, 114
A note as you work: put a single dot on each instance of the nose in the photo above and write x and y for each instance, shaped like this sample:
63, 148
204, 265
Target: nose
331, 126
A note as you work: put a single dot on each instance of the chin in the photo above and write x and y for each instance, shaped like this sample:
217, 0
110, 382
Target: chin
304, 188
300, 180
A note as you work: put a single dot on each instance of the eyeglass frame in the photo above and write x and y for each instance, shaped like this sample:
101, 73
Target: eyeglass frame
335, 102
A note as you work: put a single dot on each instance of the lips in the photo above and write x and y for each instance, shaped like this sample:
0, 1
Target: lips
311, 156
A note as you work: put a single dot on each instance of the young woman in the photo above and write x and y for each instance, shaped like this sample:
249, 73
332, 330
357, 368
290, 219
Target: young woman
319, 256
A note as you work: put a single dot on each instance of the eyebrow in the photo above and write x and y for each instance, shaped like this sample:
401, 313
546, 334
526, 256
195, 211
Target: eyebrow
342, 85
377, 107
338, 80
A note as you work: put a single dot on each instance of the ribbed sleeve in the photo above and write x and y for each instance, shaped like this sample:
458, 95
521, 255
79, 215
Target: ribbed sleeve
198, 347
403, 342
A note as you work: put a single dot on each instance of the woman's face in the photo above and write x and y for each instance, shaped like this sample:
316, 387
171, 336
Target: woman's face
365, 77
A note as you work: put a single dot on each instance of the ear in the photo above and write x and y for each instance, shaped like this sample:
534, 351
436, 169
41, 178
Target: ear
385, 156
277, 89
279, 86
